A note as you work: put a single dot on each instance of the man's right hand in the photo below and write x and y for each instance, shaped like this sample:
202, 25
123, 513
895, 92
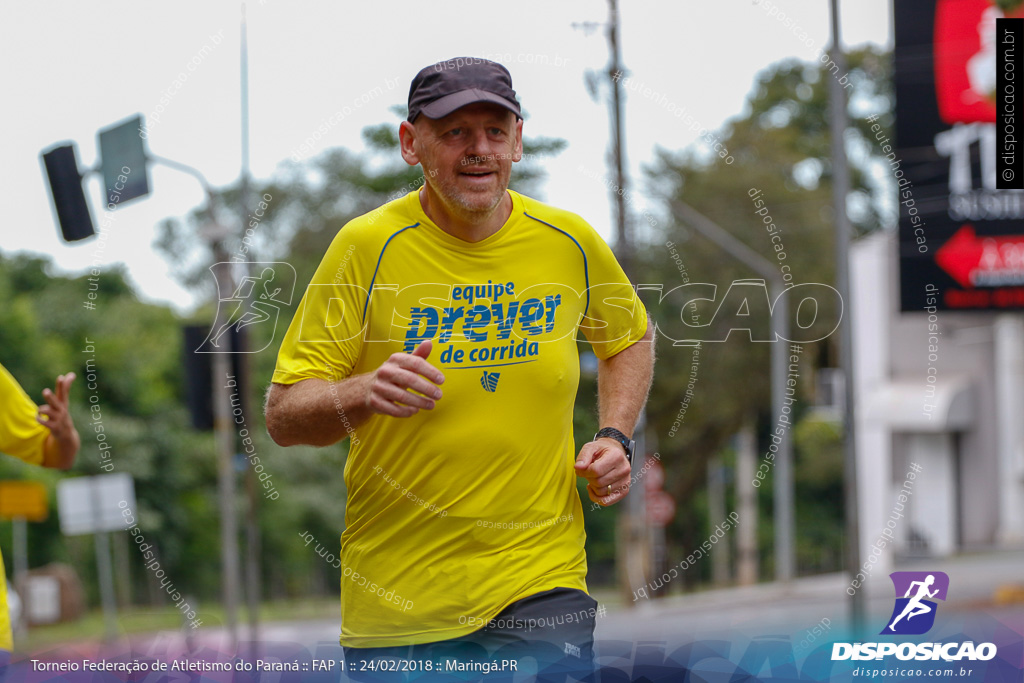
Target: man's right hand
405, 384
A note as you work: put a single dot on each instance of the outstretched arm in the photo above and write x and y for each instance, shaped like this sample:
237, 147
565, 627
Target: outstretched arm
910, 588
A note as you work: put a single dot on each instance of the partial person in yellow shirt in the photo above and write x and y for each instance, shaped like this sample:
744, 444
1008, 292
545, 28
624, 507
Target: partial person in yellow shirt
40, 435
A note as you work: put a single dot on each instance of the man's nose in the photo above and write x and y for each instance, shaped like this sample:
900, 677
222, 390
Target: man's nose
479, 144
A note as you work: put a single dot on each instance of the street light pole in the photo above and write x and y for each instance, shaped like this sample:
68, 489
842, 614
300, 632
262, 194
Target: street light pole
252, 530
783, 488
840, 188
223, 424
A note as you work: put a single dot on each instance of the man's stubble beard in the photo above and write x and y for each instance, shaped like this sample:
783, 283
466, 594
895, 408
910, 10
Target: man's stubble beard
466, 204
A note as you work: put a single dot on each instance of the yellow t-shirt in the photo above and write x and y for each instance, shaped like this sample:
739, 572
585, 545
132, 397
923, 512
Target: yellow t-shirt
456, 512
22, 437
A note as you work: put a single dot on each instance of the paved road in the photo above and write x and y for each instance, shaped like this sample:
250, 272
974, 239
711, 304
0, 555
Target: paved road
737, 615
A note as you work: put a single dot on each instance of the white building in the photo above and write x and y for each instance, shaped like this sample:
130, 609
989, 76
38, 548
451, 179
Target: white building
944, 390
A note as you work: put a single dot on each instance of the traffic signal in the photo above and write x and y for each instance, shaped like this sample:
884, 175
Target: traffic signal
66, 190
124, 162
198, 371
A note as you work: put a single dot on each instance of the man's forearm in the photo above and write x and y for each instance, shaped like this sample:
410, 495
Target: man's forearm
316, 412
623, 381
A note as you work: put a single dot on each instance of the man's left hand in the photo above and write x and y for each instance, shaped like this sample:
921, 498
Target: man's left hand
604, 465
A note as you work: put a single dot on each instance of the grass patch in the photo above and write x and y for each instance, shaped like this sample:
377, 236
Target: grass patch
138, 620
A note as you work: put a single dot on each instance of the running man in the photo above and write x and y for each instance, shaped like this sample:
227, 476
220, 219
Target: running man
915, 606
447, 351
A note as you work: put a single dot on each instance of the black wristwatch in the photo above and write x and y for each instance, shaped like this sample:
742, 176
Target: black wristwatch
612, 433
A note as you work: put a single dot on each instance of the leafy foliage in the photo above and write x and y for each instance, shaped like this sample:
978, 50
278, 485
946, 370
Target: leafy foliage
781, 147
132, 352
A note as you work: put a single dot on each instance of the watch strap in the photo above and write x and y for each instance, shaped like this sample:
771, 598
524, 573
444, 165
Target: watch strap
612, 433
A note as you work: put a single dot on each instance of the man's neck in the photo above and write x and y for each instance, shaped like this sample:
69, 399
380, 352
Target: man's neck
466, 228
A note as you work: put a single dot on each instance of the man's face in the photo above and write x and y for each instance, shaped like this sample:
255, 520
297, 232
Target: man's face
466, 156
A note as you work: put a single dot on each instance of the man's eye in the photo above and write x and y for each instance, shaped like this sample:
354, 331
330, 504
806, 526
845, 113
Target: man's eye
455, 131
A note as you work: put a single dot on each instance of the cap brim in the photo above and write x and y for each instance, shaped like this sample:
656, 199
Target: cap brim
444, 106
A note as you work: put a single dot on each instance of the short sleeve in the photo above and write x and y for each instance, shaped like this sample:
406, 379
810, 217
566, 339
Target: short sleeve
324, 339
615, 318
20, 434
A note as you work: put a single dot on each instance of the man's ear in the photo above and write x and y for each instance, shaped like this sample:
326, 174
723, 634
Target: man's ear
518, 153
407, 141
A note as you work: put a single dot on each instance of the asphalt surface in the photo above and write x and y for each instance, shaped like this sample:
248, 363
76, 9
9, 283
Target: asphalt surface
791, 612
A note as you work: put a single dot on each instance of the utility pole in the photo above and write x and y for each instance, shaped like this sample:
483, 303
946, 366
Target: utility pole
840, 188
634, 545
615, 74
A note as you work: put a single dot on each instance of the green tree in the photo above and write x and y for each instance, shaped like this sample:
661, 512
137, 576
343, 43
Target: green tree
781, 147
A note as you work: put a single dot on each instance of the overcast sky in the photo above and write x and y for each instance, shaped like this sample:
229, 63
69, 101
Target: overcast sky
72, 68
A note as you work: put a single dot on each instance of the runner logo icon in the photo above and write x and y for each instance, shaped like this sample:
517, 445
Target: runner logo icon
256, 301
914, 612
